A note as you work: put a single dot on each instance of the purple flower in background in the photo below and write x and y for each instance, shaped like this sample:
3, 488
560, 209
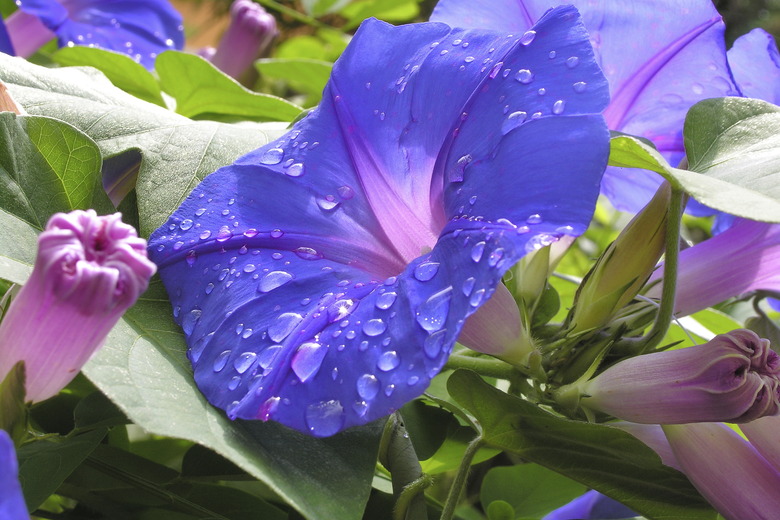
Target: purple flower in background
88, 271
250, 32
734, 378
5, 41
12, 506
727, 470
322, 280
591, 505
660, 58
139, 28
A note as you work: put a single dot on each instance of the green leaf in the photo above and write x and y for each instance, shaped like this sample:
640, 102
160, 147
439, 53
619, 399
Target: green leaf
500, 510
177, 152
304, 75
530, 489
318, 8
119, 68
739, 194
601, 457
47, 166
45, 464
202, 90
388, 10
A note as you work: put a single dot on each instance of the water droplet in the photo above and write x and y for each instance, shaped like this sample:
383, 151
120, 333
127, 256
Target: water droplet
433, 343
221, 360
552, 55
185, 224
572, 62
534, 219
426, 271
456, 172
345, 192
244, 362
247, 333
697, 89
209, 288
340, 310
243, 250
367, 386
512, 121
385, 300
239, 328
363, 346
388, 361
524, 76
308, 359
527, 37
412, 380
234, 382
268, 407
468, 285
284, 325
542, 91
325, 418
495, 256
307, 253
205, 234
327, 203
224, 234
191, 257
477, 297
197, 349
360, 408
374, 327
468, 59
477, 250
672, 99
389, 390
473, 200
190, 320
506, 72
368, 85
266, 358
580, 86
558, 107
456, 42
432, 314
250, 233
295, 170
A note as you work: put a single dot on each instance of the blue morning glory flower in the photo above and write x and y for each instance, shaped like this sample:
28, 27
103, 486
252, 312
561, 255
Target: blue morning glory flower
5, 41
660, 58
591, 505
12, 504
321, 281
140, 28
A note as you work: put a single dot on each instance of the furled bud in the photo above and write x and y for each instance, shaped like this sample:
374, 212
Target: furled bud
726, 470
88, 271
250, 32
12, 506
624, 267
733, 378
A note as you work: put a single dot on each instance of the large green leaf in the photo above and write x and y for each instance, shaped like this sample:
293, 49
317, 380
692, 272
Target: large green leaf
177, 152
202, 90
302, 74
739, 194
601, 457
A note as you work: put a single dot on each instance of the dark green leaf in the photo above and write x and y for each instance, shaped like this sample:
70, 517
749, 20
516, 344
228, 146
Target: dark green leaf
500, 510
601, 457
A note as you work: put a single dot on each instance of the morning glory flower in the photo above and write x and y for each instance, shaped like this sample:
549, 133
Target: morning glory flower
321, 281
12, 504
141, 28
5, 41
591, 505
735, 377
88, 271
727, 470
660, 58
251, 31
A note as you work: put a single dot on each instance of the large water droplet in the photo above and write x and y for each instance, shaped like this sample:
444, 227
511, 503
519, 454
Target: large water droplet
328, 203
234, 382
272, 156
308, 359
190, 320
284, 325
580, 86
388, 361
307, 253
268, 407
477, 250
340, 310
524, 76
477, 297
432, 314
367, 386
512, 121
374, 327
325, 418
385, 300
185, 224
433, 343
468, 285
273, 280
266, 358
244, 362
221, 360
360, 408
295, 170
345, 192
224, 234
426, 271
534, 219
558, 107
527, 37
495, 257
572, 62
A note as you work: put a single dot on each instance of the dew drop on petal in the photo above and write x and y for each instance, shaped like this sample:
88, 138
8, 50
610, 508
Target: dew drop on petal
284, 325
580, 86
185, 224
468, 285
272, 280
558, 107
190, 320
276, 233
572, 62
552, 55
433, 343
412, 380
477, 297
205, 234
385, 300
374, 327
325, 418
327, 204
426, 271
477, 250
266, 358
234, 382
250, 233
308, 359
295, 170
360, 408
244, 362
220, 361
512, 121
307, 253
534, 219
268, 407
432, 314
524, 76
388, 361
367, 386
345, 192
224, 234
527, 37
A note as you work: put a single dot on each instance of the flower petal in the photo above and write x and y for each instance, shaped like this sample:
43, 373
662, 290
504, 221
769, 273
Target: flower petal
139, 28
5, 42
300, 298
591, 505
755, 63
12, 504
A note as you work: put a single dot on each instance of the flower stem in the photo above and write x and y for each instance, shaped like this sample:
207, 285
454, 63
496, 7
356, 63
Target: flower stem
397, 455
460, 478
483, 366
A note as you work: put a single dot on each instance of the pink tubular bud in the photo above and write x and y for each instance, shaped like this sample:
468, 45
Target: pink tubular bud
250, 32
726, 470
733, 378
88, 271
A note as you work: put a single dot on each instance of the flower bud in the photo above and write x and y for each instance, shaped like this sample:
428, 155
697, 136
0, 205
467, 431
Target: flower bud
88, 271
726, 470
624, 267
12, 504
250, 32
733, 378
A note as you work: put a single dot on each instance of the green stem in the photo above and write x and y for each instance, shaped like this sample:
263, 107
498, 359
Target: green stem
460, 479
397, 454
292, 13
668, 291
486, 367
412, 493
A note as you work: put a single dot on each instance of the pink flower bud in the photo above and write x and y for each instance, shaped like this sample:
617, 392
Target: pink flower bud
733, 378
88, 271
250, 32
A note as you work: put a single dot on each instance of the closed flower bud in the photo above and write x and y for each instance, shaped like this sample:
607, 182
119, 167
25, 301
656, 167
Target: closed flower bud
249, 34
88, 271
733, 378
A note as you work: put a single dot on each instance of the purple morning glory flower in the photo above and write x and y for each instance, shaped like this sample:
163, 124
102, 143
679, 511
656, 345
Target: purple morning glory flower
591, 505
322, 280
89, 270
139, 28
12, 504
660, 58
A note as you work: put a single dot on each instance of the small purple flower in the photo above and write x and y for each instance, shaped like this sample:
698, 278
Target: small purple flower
12, 506
734, 378
727, 470
322, 280
660, 58
139, 28
591, 505
88, 271
250, 32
